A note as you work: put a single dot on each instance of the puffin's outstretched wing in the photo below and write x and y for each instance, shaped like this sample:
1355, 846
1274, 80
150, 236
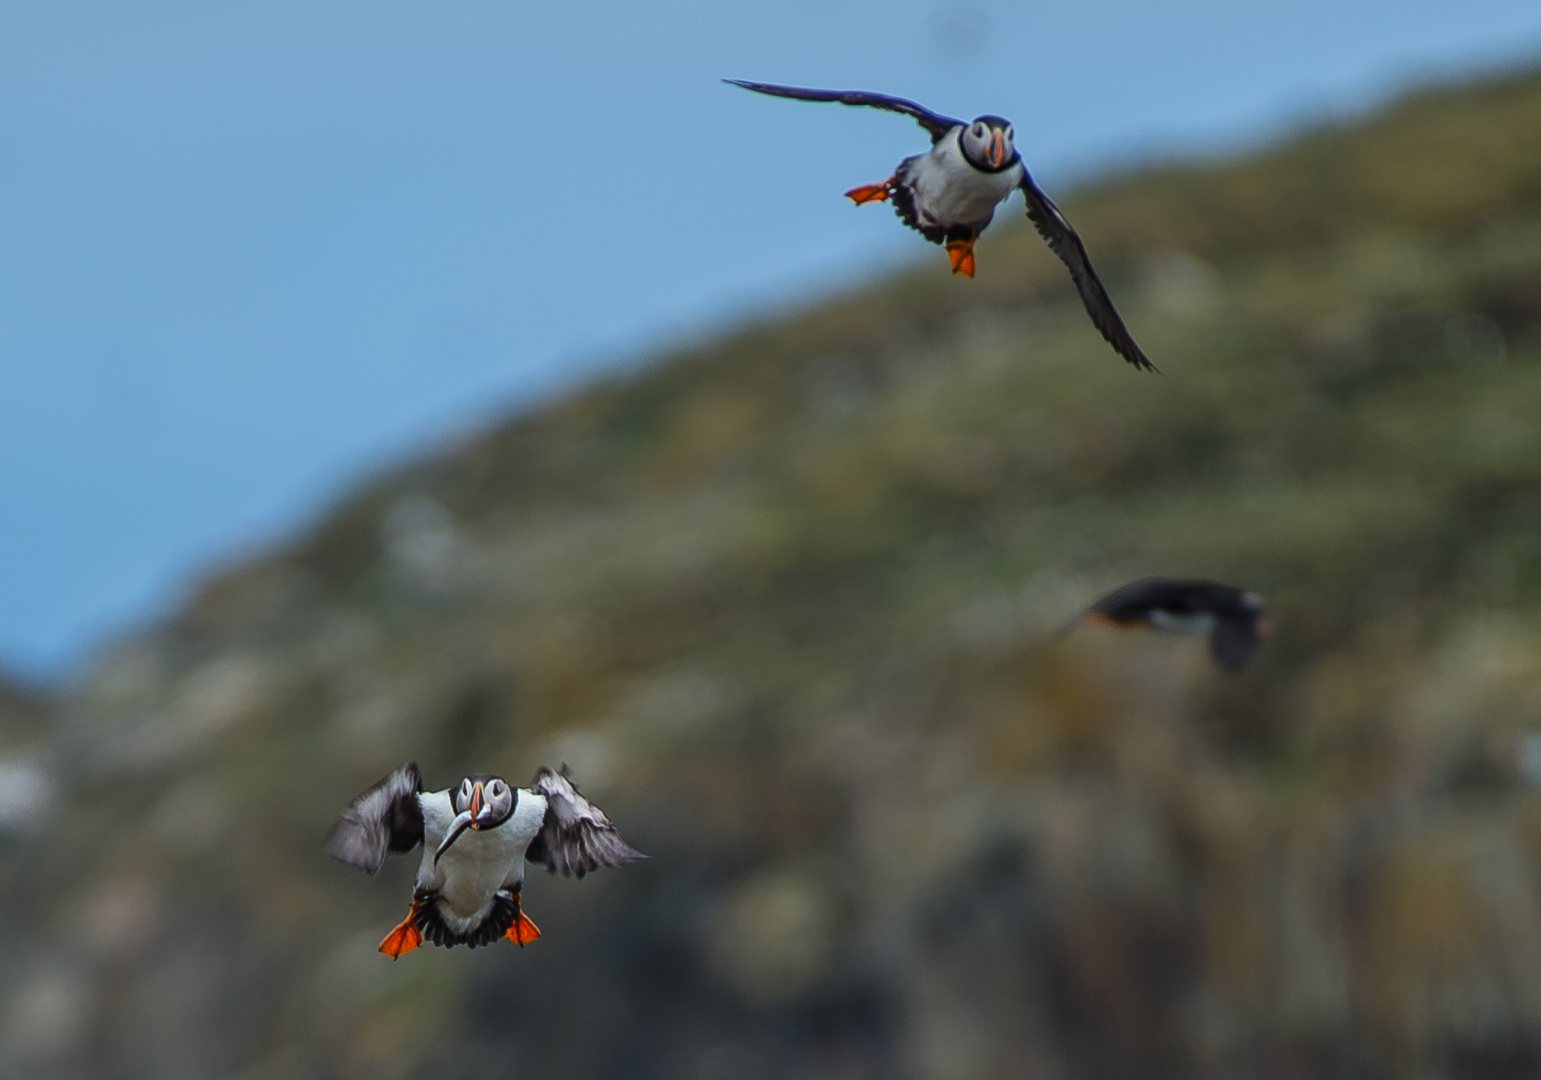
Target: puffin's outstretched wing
575, 836
934, 123
385, 818
1131, 601
1138, 597
1180, 596
1064, 242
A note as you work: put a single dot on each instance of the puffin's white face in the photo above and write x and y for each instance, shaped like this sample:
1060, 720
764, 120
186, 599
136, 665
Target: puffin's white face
479, 802
485, 798
989, 141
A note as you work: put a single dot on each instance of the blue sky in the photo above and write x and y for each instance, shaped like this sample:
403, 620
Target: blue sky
252, 251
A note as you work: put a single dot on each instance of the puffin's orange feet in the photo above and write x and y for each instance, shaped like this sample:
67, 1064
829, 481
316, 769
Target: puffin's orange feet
523, 931
869, 192
404, 938
961, 252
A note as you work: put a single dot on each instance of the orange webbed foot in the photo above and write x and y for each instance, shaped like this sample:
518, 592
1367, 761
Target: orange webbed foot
523, 931
404, 938
961, 252
870, 192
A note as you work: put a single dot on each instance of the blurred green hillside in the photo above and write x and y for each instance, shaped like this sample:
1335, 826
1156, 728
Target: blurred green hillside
787, 604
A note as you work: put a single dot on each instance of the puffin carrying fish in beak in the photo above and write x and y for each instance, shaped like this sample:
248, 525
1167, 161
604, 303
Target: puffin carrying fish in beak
1231, 618
476, 838
950, 194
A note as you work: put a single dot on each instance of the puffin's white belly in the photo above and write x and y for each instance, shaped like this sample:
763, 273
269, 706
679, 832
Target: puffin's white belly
479, 863
949, 191
1194, 624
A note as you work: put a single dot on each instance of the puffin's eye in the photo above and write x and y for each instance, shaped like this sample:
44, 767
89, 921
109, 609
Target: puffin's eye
979, 131
496, 787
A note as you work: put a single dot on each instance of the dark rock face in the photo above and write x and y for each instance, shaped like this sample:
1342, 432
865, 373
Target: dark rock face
787, 605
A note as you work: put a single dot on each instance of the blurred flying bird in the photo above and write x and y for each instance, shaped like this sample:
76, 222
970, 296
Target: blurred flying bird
950, 194
476, 838
1232, 618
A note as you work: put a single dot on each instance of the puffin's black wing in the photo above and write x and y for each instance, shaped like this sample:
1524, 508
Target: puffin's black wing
1139, 598
385, 818
575, 836
1064, 242
1234, 639
934, 123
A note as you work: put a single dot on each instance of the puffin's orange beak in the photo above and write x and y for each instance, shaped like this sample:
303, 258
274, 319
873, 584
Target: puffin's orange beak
997, 148
476, 805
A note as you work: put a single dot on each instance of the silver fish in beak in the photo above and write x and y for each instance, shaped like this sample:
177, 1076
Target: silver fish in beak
469, 818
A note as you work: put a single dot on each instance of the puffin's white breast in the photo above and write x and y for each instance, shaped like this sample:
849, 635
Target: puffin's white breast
1192, 623
480, 862
950, 191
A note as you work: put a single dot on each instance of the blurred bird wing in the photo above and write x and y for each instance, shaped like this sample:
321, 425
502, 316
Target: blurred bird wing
387, 817
935, 124
1064, 242
1233, 641
575, 836
1140, 596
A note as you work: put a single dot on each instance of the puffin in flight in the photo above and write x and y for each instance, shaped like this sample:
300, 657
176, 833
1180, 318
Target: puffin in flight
476, 838
950, 194
1232, 618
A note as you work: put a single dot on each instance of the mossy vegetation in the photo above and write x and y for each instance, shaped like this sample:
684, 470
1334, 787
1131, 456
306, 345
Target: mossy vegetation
789, 605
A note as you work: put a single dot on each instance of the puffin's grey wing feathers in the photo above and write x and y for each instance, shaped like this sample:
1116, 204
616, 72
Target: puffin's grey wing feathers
385, 818
1064, 242
935, 124
575, 836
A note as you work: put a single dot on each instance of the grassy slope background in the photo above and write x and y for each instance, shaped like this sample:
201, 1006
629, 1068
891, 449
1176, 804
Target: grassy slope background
787, 604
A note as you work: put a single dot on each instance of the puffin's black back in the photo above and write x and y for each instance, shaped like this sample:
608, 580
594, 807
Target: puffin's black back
1181, 596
